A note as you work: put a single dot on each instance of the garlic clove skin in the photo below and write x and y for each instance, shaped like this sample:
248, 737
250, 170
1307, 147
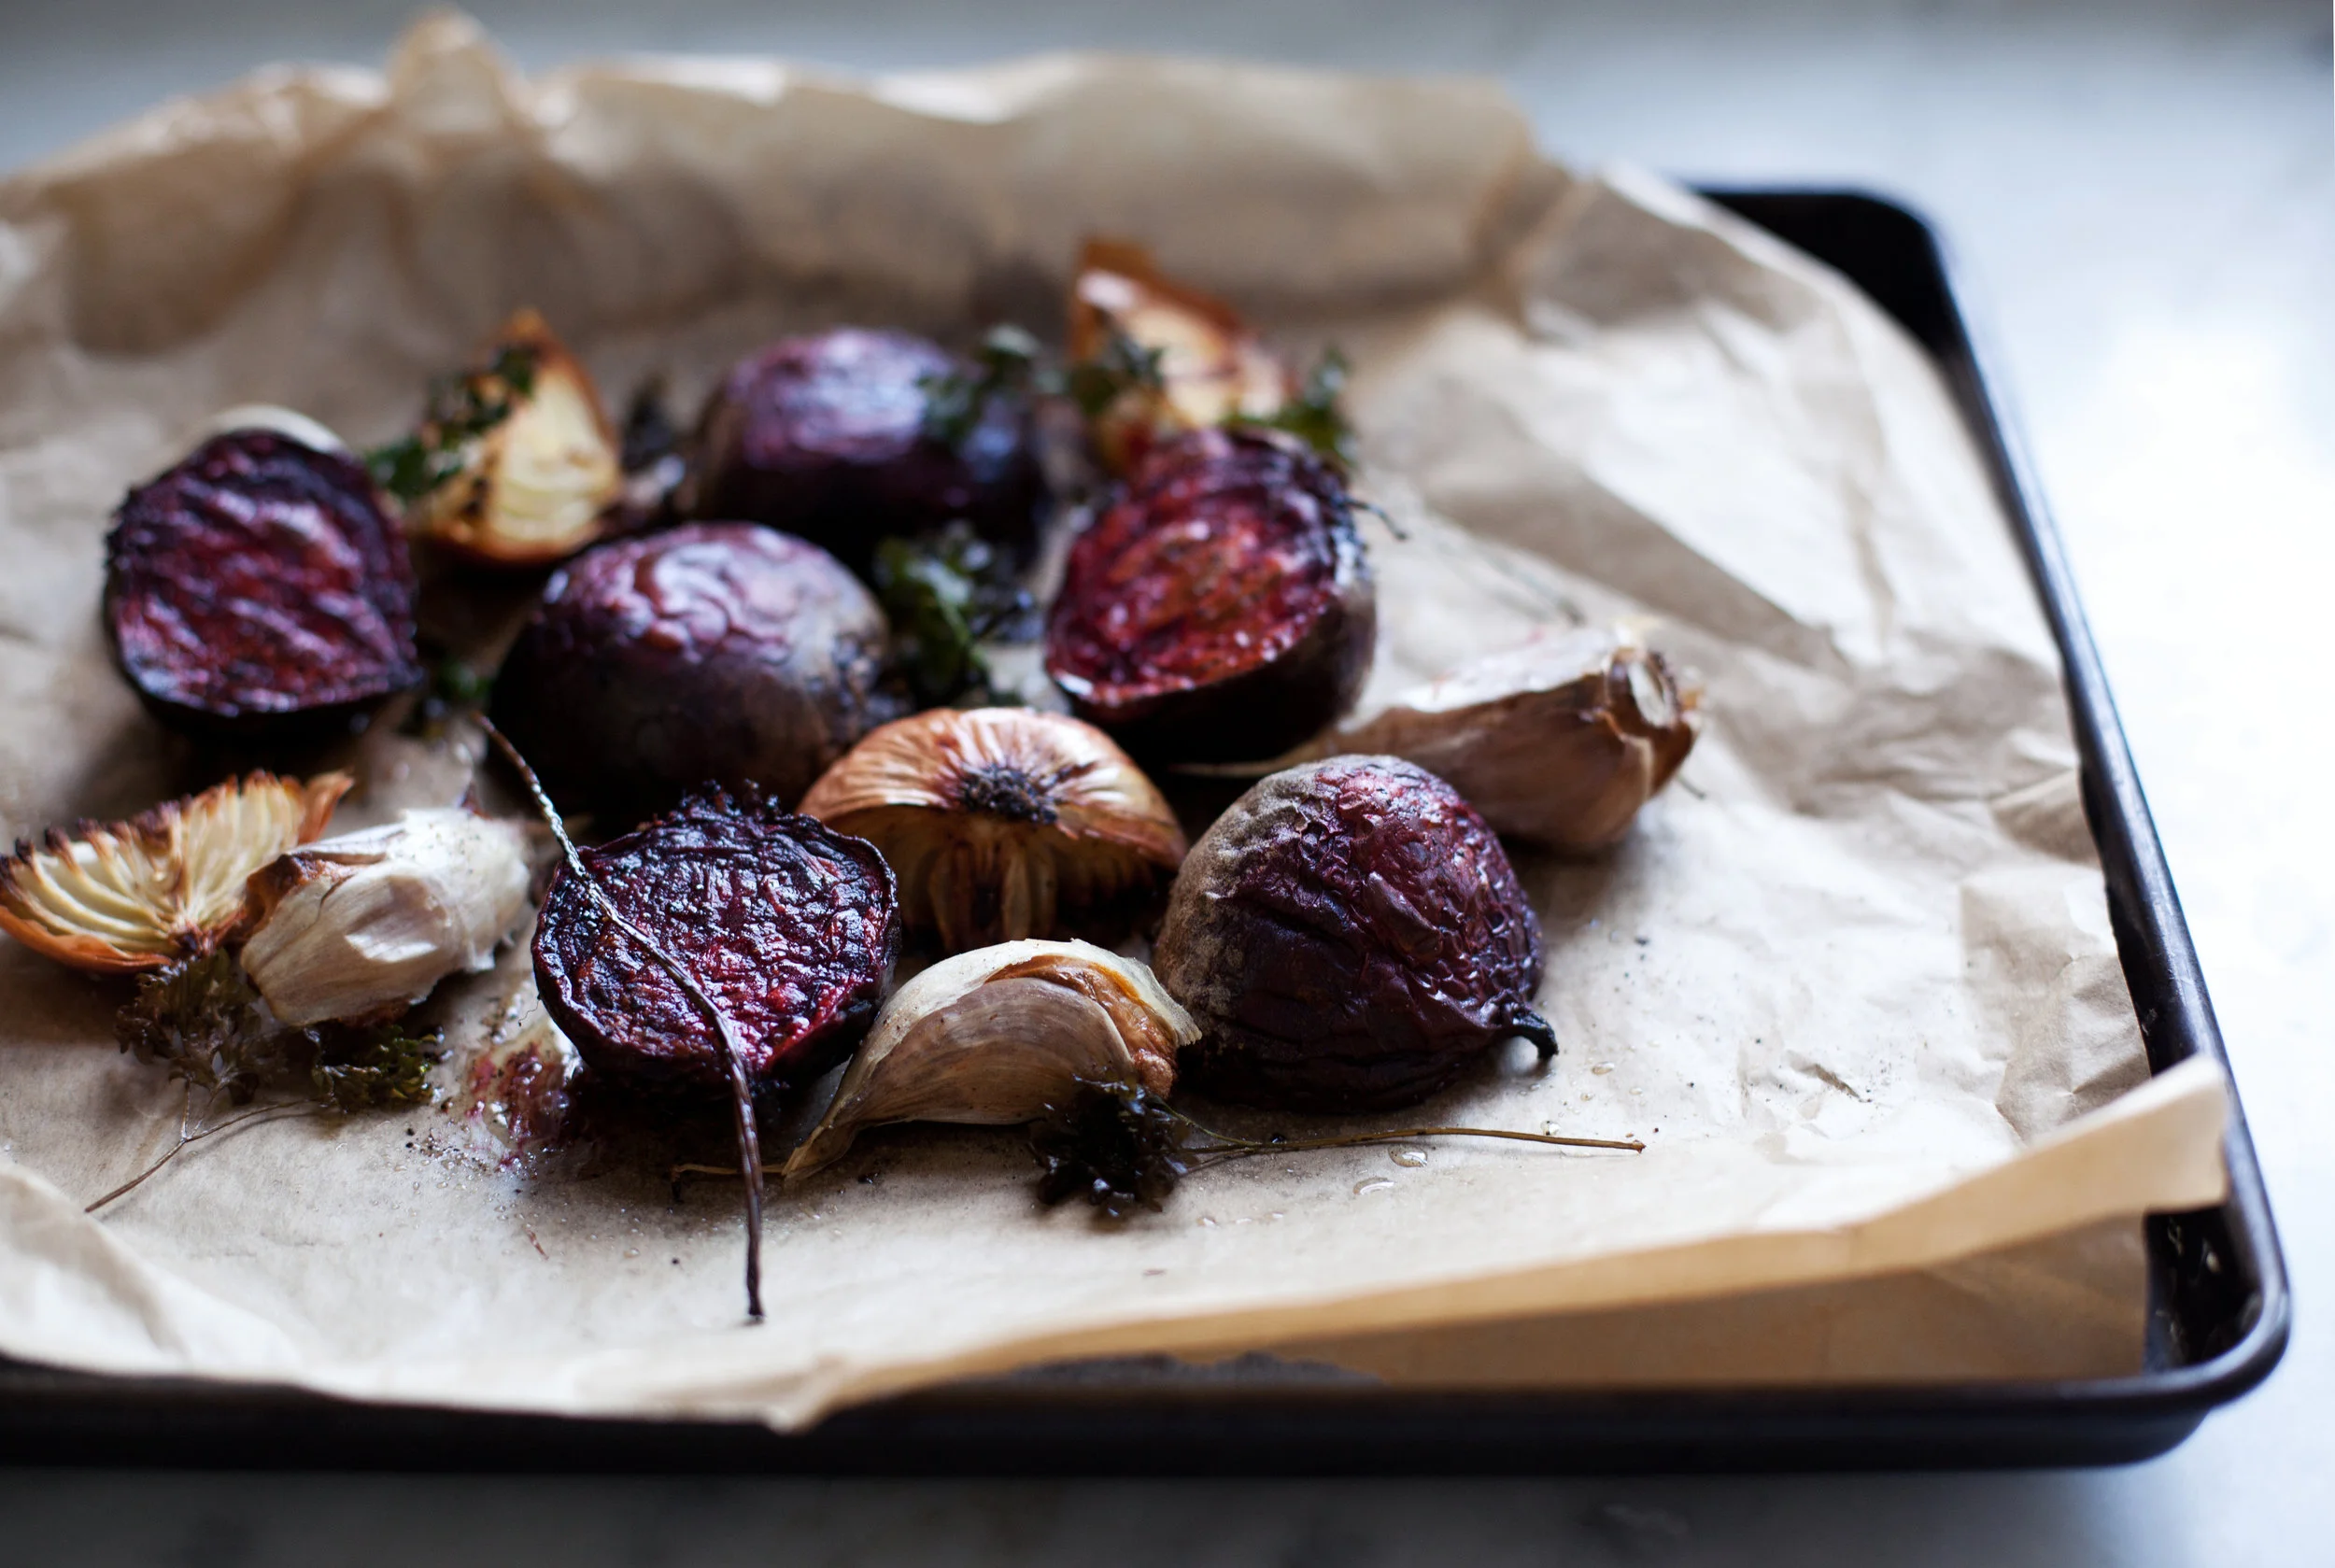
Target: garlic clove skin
1211, 365
121, 898
311, 433
364, 924
999, 1036
1559, 741
1003, 823
533, 489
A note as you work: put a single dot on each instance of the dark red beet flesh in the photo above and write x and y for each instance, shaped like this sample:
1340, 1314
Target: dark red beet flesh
824, 436
1350, 937
259, 587
717, 651
1221, 608
788, 925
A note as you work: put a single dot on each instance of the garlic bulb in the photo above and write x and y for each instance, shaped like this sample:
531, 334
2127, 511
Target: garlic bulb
365, 922
520, 473
121, 896
997, 1037
1557, 742
1211, 366
1003, 823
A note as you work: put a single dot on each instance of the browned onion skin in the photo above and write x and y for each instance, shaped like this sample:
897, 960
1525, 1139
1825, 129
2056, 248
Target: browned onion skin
1005, 823
717, 651
1221, 608
792, 928
258, 590
824, 436
1350, 937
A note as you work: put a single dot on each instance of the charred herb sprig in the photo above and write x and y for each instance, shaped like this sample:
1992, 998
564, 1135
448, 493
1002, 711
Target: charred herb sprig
734, 1049
1118, 1145
1315, 415
202, 1020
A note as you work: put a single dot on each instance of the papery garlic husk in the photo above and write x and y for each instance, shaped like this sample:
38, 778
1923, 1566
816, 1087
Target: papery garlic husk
119, 897
533, 489
1211, 365
1002, 824
1557, 742
312, 433
997, 1036
360, 926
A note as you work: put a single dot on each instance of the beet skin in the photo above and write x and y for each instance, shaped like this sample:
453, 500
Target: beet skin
1350, 937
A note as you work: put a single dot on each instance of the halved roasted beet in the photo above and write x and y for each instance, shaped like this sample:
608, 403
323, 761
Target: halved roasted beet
1221, 608
1348, 937
789, 926
259, 588
833, 437
717, 651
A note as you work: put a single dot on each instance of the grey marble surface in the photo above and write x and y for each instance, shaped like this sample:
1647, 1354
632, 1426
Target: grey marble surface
2144, 195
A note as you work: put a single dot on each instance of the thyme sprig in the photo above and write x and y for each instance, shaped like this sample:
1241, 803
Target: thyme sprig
945, 594
202, 1020
458, 409
1316, 414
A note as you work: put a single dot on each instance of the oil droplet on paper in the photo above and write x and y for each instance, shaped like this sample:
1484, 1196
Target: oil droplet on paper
1207, 1223
1602, 1069
1410, 1158
1375, 1184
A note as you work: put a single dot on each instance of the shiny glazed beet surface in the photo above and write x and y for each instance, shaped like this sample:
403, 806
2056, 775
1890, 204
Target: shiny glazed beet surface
789, 926
259, 587
1221, 608
717, 651
827, 436
1350, 937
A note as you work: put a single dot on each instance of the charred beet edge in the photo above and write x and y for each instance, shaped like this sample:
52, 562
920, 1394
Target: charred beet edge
833, 437
258, 590
790, 927
1348, 937
716, 651
1221, 608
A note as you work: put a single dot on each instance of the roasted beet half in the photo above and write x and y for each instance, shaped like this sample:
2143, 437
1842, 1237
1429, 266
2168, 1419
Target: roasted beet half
789, 927
836, 437
1221, 608
258, 589
1348, 937
716, 651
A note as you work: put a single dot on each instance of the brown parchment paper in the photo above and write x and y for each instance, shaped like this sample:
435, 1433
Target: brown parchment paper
1851, 977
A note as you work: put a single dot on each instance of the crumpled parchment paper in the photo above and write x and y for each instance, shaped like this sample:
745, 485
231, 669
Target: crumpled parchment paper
1851, 977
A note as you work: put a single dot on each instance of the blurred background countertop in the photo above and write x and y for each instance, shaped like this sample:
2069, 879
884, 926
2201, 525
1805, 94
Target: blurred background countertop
2143, 194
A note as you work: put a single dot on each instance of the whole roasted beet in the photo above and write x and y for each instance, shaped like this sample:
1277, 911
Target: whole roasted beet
789, 926
835, 436
1221, 608
1348, 937
718, 651
258, 590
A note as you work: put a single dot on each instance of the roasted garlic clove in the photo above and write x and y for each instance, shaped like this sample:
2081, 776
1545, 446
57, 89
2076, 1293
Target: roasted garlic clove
1205, 366
363, 924
168, 884
1000, 1035
1559, 741
517, 463
1004, 822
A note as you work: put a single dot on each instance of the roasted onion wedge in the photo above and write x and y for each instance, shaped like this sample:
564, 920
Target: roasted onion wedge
119, 897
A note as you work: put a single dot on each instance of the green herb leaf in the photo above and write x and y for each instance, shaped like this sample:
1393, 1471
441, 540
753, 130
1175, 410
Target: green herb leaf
201, 1018
381, 1065
1314, 416
1123, 366
1006, 362
945, 594
457, 410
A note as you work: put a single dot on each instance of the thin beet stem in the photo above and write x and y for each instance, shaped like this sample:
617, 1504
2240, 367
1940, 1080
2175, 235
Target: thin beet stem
733, 1051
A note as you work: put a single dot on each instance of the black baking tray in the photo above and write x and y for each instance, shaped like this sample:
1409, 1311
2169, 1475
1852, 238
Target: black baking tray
2219, 1305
